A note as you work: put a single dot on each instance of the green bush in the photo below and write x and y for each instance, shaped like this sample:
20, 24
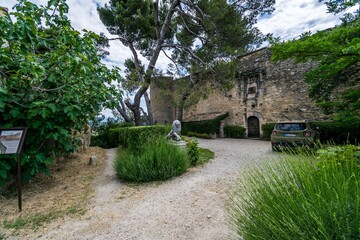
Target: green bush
100, 136
234, 131
198, 135
193, 151
211, 126
133, 138
267, 129
159, 160
338, 132
294, 199
52, 83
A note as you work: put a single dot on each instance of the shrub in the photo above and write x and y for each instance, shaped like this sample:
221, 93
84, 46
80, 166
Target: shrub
267, 129
211, 126
100, 136
338, 132
159, 161
133, 138
193, 151
293, 199
51, 93
198, 135
233, 131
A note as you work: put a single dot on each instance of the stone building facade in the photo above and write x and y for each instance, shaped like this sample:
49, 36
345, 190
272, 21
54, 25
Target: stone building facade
263, 92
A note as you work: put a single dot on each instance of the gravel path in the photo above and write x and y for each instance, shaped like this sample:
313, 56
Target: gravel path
191, 206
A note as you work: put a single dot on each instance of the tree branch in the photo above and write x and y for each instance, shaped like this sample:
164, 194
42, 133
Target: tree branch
156, 17
187, 49
171, 59
136, 62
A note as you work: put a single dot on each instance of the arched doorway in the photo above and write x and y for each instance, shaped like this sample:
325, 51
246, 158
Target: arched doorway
253, 127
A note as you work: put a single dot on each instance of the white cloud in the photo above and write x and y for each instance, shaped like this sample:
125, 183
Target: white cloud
291, 18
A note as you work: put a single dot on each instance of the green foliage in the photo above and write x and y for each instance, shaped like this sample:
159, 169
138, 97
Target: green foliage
133, 138
337, 6
198, 135
339, 155
205, 155
338, 132
158, 161
100, 136
293, 199
267, 129
334, 82
51, 81
234, 131
211, 126
193, 151
34, 221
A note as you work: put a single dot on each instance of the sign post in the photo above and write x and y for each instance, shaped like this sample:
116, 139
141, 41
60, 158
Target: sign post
11, 142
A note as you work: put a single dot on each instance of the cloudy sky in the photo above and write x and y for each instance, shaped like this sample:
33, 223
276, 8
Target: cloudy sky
288, 21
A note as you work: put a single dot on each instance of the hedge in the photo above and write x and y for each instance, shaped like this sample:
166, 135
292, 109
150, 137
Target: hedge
267, 129
211, 126
338, 132
234, 131
133, 138
101, 138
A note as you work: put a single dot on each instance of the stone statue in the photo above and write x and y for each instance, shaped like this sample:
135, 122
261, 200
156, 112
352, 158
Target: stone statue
175, 131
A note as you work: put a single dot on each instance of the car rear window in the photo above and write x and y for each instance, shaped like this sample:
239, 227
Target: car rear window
291, 126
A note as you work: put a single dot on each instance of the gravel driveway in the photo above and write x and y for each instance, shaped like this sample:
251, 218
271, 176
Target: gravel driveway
191, 206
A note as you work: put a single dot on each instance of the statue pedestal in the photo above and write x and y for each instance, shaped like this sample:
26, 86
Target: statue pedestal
180, 144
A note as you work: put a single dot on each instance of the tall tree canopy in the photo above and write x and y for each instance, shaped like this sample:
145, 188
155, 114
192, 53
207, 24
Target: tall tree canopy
51, 81
334, 84
193, 34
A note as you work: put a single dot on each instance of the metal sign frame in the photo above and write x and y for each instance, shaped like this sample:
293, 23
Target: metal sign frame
11, 142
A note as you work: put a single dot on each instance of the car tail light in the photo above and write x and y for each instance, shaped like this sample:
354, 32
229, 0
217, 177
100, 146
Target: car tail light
307, 134
274, 133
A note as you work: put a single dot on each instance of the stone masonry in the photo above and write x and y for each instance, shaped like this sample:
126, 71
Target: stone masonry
264, 91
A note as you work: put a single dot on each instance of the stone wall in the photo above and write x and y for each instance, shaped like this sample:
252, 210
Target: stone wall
263, 92
162, 102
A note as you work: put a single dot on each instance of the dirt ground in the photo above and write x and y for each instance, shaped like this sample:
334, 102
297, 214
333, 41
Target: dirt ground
52, 198
191, 206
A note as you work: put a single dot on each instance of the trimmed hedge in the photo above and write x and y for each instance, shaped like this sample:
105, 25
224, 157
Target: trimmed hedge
134, 138
267, 129
338, 132
101, 138
198, 135
211, 126
234, 131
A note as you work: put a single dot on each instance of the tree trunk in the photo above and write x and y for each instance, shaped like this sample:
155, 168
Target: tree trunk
122, 110
135, 107
150, 119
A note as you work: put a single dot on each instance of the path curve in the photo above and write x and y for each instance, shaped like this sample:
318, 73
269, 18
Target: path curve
191, 206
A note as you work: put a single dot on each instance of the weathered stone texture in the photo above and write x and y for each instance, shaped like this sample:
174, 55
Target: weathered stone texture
263, 89
162, 102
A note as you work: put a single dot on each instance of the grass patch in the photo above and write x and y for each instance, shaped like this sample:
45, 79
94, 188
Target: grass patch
158, 160
33, 221
205, 156
300, 197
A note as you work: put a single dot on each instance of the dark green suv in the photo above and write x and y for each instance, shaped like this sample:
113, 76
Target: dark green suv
292, 134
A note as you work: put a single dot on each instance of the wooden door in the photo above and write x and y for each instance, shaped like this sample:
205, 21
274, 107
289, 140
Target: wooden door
253, 127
